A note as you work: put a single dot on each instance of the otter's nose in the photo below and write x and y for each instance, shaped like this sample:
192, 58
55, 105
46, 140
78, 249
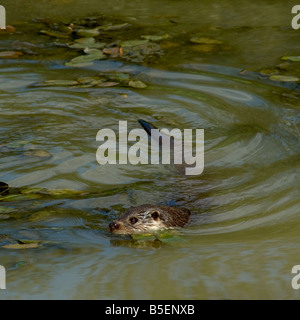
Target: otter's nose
113, 225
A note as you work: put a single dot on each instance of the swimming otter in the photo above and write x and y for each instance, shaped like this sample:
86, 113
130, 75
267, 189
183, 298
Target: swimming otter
148, 217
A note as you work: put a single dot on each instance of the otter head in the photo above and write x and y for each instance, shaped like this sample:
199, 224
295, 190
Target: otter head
149, 217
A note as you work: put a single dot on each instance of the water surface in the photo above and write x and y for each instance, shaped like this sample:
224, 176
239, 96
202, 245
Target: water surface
243, 239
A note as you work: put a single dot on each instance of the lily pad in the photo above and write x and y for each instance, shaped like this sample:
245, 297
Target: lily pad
107, 84
10, 54
88, 32
143, 237
38, 153
115, 27
54, 33
90, 42
91, 81
22, 245
268, 72
59, 83
284, 78
84, 58
133, 43
141, 51
291, 58
115, 51
137, 84
92, 55
154, 37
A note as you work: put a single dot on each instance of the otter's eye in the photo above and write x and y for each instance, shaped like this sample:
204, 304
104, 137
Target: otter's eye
155, 215
133, 220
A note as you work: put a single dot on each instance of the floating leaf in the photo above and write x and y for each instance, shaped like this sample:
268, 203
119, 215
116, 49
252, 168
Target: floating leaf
268, 72
107, 84
22, 245
171, 237
59, 83
291, 58
88, 32
92, 55
38, 153
155, 38
67, 29
133, 43
137, 84
115, 51
114, 27
284, 78
83, 59
54, 33
204, 40
143, 236
154, 244
83, 43
284, 65
92, 81
10, 54
140, 50
94, 52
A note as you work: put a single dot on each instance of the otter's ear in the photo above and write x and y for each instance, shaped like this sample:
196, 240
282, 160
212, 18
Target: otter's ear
155, 215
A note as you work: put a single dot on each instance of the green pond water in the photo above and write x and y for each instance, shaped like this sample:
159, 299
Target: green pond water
244, 235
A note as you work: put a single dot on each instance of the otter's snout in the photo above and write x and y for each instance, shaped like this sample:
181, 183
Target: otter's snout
114, 226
